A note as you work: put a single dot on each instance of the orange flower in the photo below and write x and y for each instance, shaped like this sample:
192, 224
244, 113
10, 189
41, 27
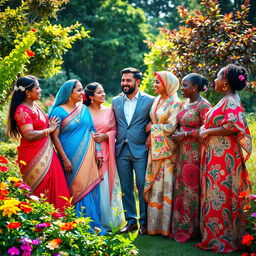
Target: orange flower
14, 225
25, 207
67, 226
30, 53
244, 194
3, 160
247, 239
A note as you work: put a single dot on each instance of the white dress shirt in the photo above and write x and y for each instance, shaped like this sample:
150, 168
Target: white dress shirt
129, 107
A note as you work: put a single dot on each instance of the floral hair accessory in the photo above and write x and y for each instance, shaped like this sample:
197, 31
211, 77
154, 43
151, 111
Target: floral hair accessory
85, 98
16, 88
241, 77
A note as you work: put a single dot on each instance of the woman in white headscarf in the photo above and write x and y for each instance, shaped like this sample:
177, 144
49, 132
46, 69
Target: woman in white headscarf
161, 157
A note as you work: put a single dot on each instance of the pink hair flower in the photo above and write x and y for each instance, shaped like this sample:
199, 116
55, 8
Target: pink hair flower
241, 77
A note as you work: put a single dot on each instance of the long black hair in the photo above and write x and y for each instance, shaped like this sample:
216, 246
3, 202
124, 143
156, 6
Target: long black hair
24, 83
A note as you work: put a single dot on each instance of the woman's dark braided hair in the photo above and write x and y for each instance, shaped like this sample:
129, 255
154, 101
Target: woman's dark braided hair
89, 91
237, 76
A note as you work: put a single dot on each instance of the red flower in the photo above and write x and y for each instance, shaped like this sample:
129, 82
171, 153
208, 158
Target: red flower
14, 225
244, 194
3, 160
25, 207
3, 193
246, 207
247, 239
30, 53
57, 215
17, 184
33, 30
245, 254
3, 168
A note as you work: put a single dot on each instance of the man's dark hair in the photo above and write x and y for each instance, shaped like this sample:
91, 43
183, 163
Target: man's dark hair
136, 72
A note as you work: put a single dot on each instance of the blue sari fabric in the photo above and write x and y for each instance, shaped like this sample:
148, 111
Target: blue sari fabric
75, 136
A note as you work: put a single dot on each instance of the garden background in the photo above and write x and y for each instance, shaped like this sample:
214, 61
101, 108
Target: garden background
93, 40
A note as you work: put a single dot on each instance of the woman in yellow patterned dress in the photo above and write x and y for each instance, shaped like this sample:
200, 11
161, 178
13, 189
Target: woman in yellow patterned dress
161, 157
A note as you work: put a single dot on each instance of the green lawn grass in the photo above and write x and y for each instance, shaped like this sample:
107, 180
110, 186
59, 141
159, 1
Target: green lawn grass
163, 246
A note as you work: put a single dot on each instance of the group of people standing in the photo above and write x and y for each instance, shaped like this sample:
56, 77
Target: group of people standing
187, 159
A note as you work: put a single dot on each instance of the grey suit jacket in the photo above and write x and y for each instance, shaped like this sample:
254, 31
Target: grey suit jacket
135, 132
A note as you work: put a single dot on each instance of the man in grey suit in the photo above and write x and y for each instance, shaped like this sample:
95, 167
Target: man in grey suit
131, 110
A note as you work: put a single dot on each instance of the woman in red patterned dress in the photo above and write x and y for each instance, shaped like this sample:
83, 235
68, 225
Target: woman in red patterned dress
185, 218
229, 145
39, 164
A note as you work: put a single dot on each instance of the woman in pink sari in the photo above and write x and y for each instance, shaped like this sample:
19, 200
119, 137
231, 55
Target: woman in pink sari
105, 125
39, 164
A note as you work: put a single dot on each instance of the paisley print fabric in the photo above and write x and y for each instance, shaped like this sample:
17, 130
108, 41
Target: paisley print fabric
161, 158
185, 221
224, 177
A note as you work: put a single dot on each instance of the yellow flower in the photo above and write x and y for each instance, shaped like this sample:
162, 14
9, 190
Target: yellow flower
13, 179
3, 185
23, 162
10, 207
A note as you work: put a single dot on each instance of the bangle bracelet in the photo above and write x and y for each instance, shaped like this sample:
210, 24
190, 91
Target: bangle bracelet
46, 132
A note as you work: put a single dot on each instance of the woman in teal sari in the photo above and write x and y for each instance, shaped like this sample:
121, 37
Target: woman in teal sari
80, 155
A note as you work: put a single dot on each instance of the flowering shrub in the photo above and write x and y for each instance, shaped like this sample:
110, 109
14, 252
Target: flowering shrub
31, 226
249, 239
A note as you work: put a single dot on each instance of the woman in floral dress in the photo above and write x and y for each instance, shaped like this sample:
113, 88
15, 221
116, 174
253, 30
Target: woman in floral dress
185, 219
229, 145
162, 155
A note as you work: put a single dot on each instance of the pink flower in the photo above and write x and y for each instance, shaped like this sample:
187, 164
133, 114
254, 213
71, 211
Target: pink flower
13, 251
254, 215
241, 77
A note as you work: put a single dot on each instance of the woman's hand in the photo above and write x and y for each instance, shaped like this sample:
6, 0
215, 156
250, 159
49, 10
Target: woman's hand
148, 127
67, 165
99, 137
178, 136
53, 123
203, 133
99, 161
148, 142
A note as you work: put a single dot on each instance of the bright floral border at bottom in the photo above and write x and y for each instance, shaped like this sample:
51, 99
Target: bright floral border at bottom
31, 226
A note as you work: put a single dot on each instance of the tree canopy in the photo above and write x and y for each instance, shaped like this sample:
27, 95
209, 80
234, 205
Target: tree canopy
207, 41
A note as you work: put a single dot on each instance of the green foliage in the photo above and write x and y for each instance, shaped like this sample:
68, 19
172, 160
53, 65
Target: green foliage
48, 46
8, 150
117, 34
31, 226
208, 41
15, 63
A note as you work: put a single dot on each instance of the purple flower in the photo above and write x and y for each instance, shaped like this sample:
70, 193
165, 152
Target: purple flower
35, 242
41, 225
56, 254
26, 253
26, 240
254, 215
13, 251
26, 247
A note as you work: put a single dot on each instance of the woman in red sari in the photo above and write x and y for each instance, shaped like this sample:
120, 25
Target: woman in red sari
224, 177
38, 162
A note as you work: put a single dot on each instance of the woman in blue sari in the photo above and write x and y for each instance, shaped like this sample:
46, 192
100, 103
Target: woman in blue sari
80, 155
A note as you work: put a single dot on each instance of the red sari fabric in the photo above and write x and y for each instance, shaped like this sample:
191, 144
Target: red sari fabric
224, 177
185, 219
47, 177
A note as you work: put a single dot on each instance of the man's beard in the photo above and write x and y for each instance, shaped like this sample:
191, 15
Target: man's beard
129, 91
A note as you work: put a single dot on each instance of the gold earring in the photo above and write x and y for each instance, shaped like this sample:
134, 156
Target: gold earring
224, 88
29, 96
